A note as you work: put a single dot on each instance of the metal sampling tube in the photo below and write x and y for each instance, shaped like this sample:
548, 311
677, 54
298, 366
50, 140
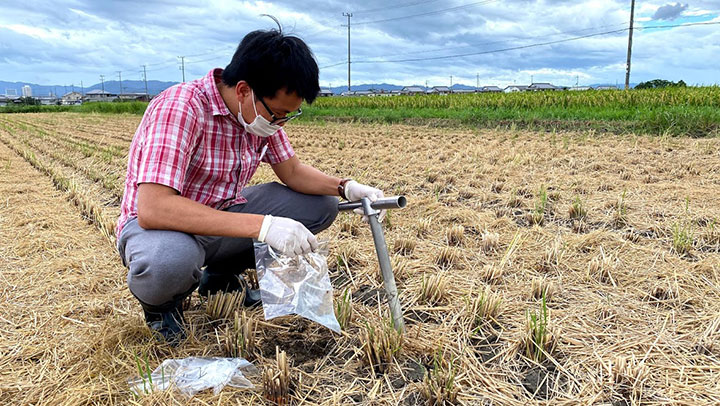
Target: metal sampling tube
372, 210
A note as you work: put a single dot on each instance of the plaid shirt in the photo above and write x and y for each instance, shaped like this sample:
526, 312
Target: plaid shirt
188, 140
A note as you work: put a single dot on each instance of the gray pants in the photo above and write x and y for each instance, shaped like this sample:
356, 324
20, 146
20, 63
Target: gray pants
163, 264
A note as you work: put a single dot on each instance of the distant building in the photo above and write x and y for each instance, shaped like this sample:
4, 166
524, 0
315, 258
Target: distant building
26, 91
606, 88
441, 90
538, 87
8, 99
580, 88
48, 100
72, 98
491, 89
325, 93
368, 92
411, 90
464, 91
516, 88
97, 95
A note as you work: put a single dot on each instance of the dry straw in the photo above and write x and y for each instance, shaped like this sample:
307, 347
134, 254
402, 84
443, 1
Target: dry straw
240, 337
455, 235
277, 380
404, 246
602, 267
489, 242
628, 378
434, 288
439, 384
381, 343
222, 305
483, 306
98, 326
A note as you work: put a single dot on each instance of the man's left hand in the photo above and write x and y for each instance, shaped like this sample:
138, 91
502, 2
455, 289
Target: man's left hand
355, 191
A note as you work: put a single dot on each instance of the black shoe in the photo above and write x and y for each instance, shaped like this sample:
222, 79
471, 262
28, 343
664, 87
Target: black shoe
166, 321
252, 297
211, 283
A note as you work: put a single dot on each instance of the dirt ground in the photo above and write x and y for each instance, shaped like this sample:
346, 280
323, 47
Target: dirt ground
619, 232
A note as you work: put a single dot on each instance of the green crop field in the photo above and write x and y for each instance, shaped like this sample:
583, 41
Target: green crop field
691, 111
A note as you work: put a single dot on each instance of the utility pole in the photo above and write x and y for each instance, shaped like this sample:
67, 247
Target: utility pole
102, 82
72, 87
577, 80
145, 79
477, 81
120, 77
182, 66
348, 15
450, 83
629, 53
82, 89
531, 79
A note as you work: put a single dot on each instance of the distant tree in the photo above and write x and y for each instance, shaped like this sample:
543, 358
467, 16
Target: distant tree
29, 101
657, 83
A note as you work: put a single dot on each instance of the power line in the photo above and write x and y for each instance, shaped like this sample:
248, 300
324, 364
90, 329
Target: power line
498, 50
428, 13
535, 45
203, 60
678, 25
335, 64
500, 42
396, 6
212, 51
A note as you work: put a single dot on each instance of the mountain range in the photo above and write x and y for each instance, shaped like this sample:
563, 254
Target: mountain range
111, 86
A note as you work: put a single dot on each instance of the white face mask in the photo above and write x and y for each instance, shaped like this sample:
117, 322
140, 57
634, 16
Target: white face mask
260, 126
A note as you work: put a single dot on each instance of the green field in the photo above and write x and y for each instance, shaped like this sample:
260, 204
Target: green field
692, 111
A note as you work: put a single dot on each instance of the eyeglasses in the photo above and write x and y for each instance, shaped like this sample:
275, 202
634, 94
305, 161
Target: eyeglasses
279, 120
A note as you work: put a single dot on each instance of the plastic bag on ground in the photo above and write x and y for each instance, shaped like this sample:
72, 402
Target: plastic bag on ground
194, 374
296, 285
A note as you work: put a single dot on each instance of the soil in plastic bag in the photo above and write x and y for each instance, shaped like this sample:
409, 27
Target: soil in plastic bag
296, 285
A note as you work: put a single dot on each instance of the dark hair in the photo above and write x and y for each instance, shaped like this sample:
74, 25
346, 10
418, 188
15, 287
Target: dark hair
269, 61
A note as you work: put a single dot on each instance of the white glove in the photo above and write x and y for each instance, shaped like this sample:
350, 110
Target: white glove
355, 191
287, 236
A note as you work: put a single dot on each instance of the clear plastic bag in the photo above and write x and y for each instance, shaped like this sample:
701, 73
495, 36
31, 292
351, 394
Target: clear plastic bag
296, 285
194, 374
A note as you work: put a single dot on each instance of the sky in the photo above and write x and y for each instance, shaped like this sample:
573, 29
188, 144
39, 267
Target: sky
404, 42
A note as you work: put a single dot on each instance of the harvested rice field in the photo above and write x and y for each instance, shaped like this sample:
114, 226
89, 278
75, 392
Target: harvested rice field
533, 268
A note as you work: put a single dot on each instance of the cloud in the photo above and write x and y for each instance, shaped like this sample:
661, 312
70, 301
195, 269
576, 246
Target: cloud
65, 41
669, 11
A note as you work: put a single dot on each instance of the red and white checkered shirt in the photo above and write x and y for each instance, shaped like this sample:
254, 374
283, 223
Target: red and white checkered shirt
188, 140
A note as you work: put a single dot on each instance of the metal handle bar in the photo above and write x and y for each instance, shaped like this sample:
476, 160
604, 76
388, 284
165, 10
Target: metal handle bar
393, 202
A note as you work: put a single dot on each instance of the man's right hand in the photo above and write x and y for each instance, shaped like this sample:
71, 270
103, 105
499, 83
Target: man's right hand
287, 236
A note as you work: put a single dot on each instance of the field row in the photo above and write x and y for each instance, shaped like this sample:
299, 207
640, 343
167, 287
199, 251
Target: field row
531, 265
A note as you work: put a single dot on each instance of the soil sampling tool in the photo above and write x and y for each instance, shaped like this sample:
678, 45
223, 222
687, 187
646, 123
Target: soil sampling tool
372, 210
